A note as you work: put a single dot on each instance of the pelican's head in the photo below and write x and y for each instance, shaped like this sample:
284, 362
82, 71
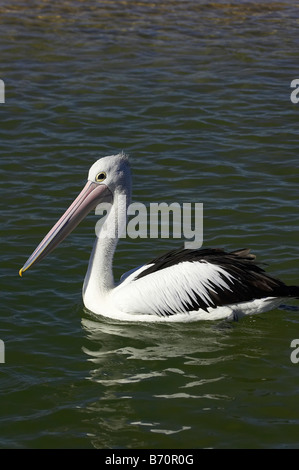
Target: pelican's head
107, 176
113, 171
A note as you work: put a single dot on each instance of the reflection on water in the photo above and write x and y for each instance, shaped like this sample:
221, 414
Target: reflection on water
148, 342
151, 371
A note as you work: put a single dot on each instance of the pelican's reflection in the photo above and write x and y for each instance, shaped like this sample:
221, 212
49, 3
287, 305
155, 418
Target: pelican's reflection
147, 376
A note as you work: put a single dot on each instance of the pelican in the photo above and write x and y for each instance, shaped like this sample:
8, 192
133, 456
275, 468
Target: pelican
182, 285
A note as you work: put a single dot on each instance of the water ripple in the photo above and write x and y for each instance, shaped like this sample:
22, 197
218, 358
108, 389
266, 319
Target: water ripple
198, 93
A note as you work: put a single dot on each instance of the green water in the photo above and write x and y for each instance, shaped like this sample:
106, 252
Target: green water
198, 93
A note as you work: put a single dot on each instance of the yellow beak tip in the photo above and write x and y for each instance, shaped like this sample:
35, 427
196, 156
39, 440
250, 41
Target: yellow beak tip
21, 272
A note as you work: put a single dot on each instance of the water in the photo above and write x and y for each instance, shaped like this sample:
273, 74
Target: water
198, 93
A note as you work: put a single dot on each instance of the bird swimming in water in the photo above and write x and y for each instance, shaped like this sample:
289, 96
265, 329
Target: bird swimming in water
181, 285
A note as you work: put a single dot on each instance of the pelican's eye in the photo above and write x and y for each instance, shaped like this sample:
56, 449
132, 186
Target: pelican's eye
101, 176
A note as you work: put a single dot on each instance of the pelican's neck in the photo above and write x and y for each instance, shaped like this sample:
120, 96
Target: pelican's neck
99, 280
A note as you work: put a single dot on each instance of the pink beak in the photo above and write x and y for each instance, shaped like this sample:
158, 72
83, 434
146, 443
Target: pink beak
91, 195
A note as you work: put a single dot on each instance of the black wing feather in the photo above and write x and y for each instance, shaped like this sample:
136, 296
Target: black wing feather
249, 281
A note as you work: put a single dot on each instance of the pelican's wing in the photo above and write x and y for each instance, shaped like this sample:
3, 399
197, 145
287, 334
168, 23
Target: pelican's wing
128, 273
191, 280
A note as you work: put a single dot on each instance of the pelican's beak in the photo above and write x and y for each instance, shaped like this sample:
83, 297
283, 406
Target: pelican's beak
91, 195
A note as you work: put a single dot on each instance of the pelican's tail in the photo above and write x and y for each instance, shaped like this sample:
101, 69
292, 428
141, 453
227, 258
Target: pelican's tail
293, 291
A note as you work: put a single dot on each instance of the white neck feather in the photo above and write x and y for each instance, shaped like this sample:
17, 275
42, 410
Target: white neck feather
99, 280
